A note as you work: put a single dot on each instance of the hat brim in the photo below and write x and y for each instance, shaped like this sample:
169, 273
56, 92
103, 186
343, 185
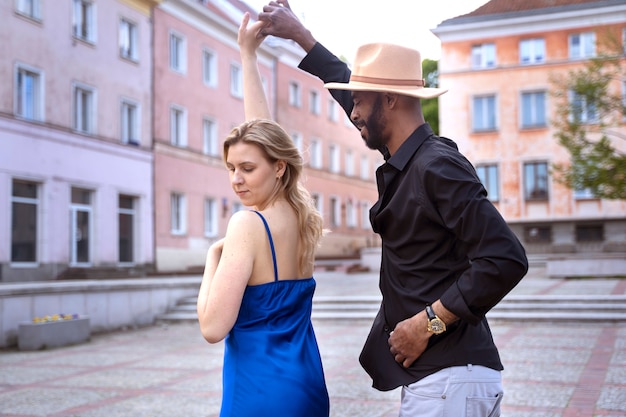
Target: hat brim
419, 92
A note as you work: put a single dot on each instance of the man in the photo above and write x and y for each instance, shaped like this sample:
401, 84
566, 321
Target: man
448, 256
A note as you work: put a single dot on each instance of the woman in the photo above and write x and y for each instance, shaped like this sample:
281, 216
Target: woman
258, 283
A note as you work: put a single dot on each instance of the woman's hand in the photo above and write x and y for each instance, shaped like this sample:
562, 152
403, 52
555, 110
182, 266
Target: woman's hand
249, 38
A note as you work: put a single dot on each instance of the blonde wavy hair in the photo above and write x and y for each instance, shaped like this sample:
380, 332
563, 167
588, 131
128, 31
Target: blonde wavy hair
277, 145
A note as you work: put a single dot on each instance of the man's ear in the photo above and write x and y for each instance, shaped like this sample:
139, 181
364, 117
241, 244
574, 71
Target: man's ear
390, 99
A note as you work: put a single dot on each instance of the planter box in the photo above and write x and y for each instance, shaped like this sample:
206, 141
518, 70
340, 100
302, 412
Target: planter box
37, 336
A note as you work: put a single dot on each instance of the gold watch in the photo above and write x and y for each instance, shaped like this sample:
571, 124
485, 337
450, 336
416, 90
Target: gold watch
435, 324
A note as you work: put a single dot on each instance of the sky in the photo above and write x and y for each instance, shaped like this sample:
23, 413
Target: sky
343, 25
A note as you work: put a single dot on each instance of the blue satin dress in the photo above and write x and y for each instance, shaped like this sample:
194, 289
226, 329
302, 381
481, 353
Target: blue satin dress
272, 364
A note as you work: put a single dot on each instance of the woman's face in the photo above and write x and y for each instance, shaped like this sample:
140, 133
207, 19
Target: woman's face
253, 178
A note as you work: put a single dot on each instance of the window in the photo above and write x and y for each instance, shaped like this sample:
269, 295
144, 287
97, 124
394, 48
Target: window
315, 151
210, 217
297, 140
128, 40
484, 55
209, 137
582, 45
24, 219
589, 233
314, 102
484, 113
582, 111
177, 211
81, 226
294, 94
365, 215
349, 163
532, 51
538, 234
209, 68
177, 53
332, 110
130, 122
84, 109
236, 81
488, 175
536, 181
334, 158
350, 213
84, 20
335, 212
584, 194
29, 94
126, 219
29, 8
178, 126
534, 109
318, 202
365, 167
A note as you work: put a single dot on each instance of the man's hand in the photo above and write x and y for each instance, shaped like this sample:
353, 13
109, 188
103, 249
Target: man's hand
280, 21
409, 339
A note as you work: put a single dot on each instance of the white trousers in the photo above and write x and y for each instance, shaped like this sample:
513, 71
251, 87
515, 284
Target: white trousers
459, 391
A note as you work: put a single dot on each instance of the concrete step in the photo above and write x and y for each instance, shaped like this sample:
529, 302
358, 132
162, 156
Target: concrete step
573, 308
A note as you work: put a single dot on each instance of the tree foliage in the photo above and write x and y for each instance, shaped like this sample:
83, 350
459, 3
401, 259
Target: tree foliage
589, 123
430, 107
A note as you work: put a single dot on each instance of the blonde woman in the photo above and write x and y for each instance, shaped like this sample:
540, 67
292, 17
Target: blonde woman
258, 283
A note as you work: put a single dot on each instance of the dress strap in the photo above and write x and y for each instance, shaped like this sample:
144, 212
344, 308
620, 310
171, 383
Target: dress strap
269, 235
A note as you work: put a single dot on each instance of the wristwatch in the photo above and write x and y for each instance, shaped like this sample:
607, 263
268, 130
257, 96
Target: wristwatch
435, 324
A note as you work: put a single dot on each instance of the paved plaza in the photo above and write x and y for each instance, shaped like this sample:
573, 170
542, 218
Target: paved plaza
564, 369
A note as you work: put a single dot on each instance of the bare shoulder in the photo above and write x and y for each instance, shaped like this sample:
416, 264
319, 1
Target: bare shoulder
244, 224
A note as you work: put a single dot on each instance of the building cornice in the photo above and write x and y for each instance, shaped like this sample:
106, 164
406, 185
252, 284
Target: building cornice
498, 25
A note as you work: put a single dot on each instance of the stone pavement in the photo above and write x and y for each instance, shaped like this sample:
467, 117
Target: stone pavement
551, 369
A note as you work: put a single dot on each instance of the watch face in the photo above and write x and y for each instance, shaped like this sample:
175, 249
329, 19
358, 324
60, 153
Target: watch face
437, 326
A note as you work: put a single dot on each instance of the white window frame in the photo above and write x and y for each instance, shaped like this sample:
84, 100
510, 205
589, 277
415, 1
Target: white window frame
586, 115
536, 178
335, 211
483, 56
84, 103
538, 109
209, 67
295, 98
365, 167
178, 52
532, 51
314, 102
332, 110
178, 126
489, 177
489, 119
236, 80
128, 41
210, 217
365, 215
29, 8
209, 136
582, 45
84, 20
315, 154
349, 163
35, 201
351, 214
178, 213
334, 157
296, 137
29, 97
130, 122
75, 235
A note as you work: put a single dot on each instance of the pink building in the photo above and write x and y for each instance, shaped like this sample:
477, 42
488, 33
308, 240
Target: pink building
75, 139
197, 101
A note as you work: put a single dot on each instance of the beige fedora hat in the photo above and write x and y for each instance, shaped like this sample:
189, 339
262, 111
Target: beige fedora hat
388, 68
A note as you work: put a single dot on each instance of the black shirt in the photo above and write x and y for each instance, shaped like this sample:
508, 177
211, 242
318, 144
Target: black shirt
441, 239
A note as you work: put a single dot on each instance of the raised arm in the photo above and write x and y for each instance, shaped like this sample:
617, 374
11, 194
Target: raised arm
254, 100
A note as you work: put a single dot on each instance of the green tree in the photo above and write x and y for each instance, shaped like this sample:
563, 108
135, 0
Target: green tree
589, 123
430, 107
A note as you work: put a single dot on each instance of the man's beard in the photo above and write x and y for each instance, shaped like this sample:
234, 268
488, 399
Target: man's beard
375, 125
